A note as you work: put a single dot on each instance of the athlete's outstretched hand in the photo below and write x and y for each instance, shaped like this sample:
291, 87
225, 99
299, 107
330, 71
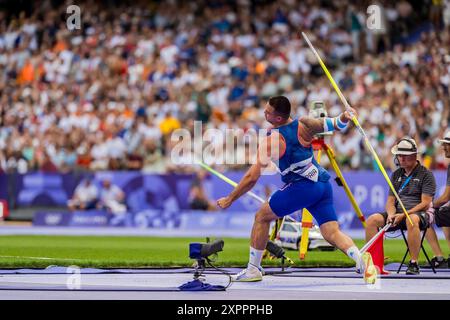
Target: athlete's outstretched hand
349, 113
224, 202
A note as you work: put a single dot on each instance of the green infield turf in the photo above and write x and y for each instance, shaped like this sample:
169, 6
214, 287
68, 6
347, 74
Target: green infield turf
141, 252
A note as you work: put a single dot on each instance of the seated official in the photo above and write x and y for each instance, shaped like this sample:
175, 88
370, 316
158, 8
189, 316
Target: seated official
112, 198
85, 196
441, 210
416, 186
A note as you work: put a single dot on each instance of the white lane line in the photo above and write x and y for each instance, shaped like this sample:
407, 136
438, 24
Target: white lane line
40, 258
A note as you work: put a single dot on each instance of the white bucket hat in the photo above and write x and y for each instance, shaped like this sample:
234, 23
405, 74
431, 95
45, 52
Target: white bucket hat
405, 146
446, 138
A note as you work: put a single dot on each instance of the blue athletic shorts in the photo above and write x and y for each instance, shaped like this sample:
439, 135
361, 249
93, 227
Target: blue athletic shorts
317, 197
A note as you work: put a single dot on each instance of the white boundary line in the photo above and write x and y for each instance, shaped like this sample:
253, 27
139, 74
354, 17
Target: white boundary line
40, 258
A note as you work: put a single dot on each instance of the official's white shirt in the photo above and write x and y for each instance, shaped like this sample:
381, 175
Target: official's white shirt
111, 194
86, 193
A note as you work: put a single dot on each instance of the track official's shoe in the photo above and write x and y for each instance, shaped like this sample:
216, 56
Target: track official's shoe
413, 268
250, 274
438, 263
370, 271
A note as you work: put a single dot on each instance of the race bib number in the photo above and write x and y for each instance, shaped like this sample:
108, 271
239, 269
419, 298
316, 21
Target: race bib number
311, 172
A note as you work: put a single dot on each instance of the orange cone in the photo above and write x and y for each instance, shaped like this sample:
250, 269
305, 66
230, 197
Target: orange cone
377, 251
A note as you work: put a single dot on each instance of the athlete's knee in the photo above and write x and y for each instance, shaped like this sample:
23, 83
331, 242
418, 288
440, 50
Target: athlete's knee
263, 217
329, 229
265, 214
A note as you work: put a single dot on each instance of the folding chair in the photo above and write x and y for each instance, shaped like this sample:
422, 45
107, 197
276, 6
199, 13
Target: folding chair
424, 230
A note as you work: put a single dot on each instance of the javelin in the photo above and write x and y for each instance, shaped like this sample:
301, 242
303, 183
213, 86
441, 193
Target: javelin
228, 180
358, 126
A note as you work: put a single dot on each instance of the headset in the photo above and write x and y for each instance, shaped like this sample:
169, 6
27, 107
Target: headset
413, 149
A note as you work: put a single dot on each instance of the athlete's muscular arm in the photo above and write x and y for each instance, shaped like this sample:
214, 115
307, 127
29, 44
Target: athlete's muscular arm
247, 183
312, 126
251, 176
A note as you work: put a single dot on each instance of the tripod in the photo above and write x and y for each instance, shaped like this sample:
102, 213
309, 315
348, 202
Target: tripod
320, 146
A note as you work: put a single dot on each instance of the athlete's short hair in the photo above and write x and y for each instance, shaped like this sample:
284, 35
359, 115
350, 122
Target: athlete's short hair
281, 105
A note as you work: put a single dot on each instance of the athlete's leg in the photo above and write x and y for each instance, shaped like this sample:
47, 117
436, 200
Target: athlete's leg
261, 225
325, 215
258, 242
283, 202
331, 232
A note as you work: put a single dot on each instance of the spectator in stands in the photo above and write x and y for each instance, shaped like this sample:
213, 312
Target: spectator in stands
436, 10
133, 139
153, 160
198, 199
133, 73
2, 162
446, 15
85, 196
112, 198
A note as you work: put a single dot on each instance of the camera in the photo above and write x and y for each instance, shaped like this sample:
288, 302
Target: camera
200, 251
317, 110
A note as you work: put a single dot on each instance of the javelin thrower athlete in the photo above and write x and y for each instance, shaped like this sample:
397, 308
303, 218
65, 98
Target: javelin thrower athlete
306, 185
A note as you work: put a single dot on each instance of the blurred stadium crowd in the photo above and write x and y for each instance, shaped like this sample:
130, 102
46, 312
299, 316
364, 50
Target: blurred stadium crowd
109, 95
